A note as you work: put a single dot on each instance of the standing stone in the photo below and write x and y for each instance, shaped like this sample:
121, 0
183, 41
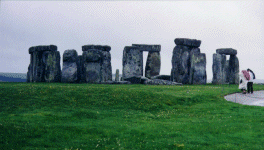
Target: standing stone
198, 69
217, 68
132, 62
52, 68
229, 68
153, 60
92, 60
117, 75
152, 65
70, 67
180, 64
227, 72
44, 64
233, 70
106, 67
80, 71
181, 60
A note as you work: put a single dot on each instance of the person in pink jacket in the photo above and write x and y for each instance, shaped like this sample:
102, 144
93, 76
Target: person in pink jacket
250, 81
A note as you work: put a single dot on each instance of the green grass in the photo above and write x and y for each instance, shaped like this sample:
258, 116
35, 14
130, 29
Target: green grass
90, 116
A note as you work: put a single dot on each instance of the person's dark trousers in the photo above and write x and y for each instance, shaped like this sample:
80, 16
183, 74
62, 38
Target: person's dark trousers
250, 87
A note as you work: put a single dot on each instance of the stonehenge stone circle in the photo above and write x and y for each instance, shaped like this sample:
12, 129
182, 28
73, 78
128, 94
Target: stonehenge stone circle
70, 67
225, 71
44, 64
188, 64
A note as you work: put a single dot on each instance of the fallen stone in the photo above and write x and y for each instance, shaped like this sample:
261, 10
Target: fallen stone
160, 82
134, 79
116, 82
162, 77
143, 80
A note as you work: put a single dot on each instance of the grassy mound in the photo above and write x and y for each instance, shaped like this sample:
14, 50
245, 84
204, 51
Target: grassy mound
90, 116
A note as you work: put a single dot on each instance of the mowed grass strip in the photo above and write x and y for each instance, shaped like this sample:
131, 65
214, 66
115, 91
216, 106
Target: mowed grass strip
94, 116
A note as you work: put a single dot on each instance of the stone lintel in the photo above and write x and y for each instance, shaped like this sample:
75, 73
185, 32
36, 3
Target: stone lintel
187, 42
150, 48
226, 51
98, 47
42, 48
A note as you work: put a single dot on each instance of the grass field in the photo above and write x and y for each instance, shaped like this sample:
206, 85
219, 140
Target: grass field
94, 116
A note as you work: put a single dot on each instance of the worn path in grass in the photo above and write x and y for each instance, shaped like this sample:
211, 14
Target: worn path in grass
256, 99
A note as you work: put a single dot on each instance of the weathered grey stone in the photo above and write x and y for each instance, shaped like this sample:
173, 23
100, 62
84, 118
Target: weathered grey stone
162, 77
44, 64
42, 48
106, 66
80, 69
106, 70
117, 75
98, 47
143, 80
226, 51
150, 48
160, 82
70, 67
187, 42
153, 61
234, 70
218, 65
198, 69
116, 82
132, 62
181, 64
134, 79
92, 61
52, 69
226, 72
195, 51
153, 64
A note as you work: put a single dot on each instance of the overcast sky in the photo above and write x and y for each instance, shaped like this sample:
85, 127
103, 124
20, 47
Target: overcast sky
70, 25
